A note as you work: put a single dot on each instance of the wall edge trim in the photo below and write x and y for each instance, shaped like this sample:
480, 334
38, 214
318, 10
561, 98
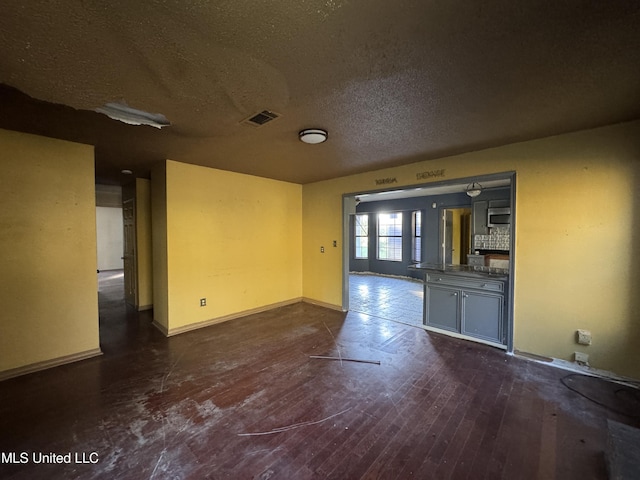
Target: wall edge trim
576, 368
323, 304
161, 327
462, 336
47, 364
232, 316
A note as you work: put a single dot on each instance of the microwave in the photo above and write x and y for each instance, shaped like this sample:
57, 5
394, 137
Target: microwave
499, 217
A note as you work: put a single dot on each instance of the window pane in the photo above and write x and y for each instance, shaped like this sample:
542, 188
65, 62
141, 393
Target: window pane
416, 254
362, 247
362, 225
390, 236
390, 248
362, 236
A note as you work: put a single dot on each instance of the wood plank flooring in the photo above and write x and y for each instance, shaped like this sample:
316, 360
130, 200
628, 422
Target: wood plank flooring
181, 408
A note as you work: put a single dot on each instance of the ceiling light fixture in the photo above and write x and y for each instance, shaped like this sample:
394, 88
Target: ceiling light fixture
474, 189
131, 116
313, 136
126, 171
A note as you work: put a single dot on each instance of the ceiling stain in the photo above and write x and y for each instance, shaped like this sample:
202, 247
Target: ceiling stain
392, 82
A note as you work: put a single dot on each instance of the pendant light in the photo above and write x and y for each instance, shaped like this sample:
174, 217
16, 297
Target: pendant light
474, 189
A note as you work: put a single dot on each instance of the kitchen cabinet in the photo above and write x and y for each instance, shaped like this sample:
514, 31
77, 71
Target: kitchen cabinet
470, 306
482, 315
442, 307
480, 217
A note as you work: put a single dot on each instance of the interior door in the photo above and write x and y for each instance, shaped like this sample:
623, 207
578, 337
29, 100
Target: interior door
447, 232
129, 254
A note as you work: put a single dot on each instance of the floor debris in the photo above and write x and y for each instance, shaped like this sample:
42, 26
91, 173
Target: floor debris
375, 362
296, 425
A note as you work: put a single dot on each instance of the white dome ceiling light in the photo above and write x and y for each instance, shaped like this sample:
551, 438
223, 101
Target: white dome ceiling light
313, 136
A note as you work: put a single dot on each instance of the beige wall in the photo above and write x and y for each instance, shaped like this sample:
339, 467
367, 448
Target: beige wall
233, 239
577, 240
246, 243
48, 286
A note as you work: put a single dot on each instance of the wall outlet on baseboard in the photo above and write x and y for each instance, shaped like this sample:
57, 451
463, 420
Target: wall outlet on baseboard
203, 302
581, 358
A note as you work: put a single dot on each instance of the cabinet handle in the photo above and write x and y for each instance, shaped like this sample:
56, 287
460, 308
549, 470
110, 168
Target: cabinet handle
484, 285
455, 294
465, 295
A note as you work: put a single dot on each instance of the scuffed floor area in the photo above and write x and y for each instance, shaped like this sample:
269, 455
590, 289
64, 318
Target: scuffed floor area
242, 399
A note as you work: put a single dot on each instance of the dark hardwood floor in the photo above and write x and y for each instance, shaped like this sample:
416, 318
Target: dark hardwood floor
242, 399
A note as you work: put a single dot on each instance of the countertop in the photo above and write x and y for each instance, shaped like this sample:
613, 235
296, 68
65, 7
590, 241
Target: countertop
463, 270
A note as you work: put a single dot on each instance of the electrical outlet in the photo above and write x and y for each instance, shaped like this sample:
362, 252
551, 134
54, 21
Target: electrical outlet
203, 302
581, 358
584, 337
321, 249
335, 243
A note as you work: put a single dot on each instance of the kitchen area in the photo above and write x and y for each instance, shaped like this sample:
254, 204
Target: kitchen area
466, 292
453, 252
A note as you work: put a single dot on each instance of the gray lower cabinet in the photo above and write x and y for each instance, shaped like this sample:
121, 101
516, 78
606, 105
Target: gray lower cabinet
469, 306
482, 315
443, 307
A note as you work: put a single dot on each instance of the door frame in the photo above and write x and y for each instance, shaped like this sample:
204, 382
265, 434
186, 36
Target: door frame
349, 204
130, 265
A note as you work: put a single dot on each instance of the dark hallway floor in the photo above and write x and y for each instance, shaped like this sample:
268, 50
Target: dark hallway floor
242, 399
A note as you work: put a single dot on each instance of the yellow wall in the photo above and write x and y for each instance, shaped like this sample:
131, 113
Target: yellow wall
143, 243
577, 260
48, 284
455, 233
233, 239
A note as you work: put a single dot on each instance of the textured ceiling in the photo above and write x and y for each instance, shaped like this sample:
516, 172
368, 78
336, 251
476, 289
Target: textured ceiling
392, 81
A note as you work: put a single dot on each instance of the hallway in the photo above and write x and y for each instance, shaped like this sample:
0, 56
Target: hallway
121, 326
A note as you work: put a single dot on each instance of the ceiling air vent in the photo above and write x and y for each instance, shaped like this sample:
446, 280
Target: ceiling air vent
260, 118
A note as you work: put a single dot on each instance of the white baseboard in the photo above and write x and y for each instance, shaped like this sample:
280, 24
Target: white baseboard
55, 362
577, 368
225, 318
322, 304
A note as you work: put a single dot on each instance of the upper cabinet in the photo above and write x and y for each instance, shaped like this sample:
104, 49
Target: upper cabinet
480, 208
484, 236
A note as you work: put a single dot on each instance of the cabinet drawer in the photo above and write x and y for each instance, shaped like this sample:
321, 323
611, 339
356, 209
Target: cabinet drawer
466, 282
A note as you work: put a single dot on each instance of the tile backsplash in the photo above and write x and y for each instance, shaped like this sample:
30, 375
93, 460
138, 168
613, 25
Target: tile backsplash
498, 239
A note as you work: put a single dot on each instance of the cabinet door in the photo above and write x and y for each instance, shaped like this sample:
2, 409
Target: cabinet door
480, 218
482, 315
441, 307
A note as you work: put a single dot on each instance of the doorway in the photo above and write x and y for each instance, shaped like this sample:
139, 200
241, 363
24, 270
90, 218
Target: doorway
455, 235
129, 251
466, 225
